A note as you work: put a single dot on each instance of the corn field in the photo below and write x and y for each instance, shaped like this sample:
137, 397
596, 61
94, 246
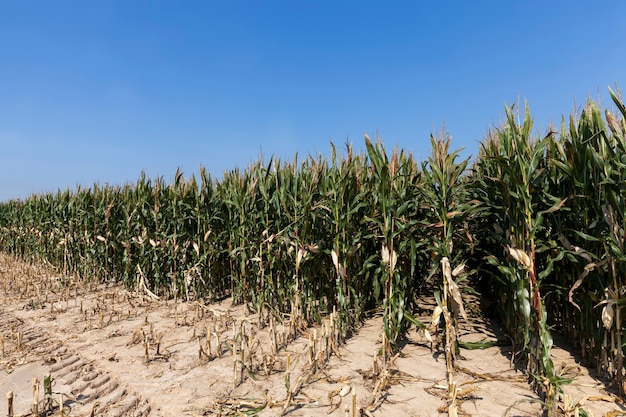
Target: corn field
537, 222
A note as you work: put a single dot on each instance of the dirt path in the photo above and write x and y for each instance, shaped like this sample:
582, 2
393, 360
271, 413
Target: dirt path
114, 353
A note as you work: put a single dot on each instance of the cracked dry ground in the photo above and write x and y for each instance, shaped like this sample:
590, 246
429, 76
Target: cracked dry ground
114, 353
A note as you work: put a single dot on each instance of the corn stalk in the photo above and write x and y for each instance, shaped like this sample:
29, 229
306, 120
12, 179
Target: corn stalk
450, 211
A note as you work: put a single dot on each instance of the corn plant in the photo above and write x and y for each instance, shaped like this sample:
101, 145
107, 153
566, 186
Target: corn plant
344, 196
394, 221
359, 232
451, 209
514, 170
589, 162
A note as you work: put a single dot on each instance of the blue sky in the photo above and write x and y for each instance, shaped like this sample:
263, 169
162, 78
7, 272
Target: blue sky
101, 90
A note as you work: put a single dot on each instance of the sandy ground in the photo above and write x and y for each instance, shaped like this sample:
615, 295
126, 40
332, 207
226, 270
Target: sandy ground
115, 353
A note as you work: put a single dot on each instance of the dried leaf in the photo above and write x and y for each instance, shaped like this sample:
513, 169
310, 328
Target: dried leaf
520, 256
436, 317
345, 390
588, 268
340, 269
556, 206
393, 259
428, 336
301, 255
453, 213
384, 252
456, 296
335, 259
459, 269
607, 316
446, 269
435, 225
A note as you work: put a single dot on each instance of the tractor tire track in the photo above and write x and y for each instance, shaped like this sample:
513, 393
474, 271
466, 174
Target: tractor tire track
81, 383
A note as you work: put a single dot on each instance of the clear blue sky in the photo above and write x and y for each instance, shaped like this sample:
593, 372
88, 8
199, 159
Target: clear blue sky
101, 90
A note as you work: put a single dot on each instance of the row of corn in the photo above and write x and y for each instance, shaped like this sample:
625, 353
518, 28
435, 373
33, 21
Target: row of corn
538, 221
551, 240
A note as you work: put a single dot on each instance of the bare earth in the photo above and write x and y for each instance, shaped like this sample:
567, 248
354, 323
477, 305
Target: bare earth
116, 353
